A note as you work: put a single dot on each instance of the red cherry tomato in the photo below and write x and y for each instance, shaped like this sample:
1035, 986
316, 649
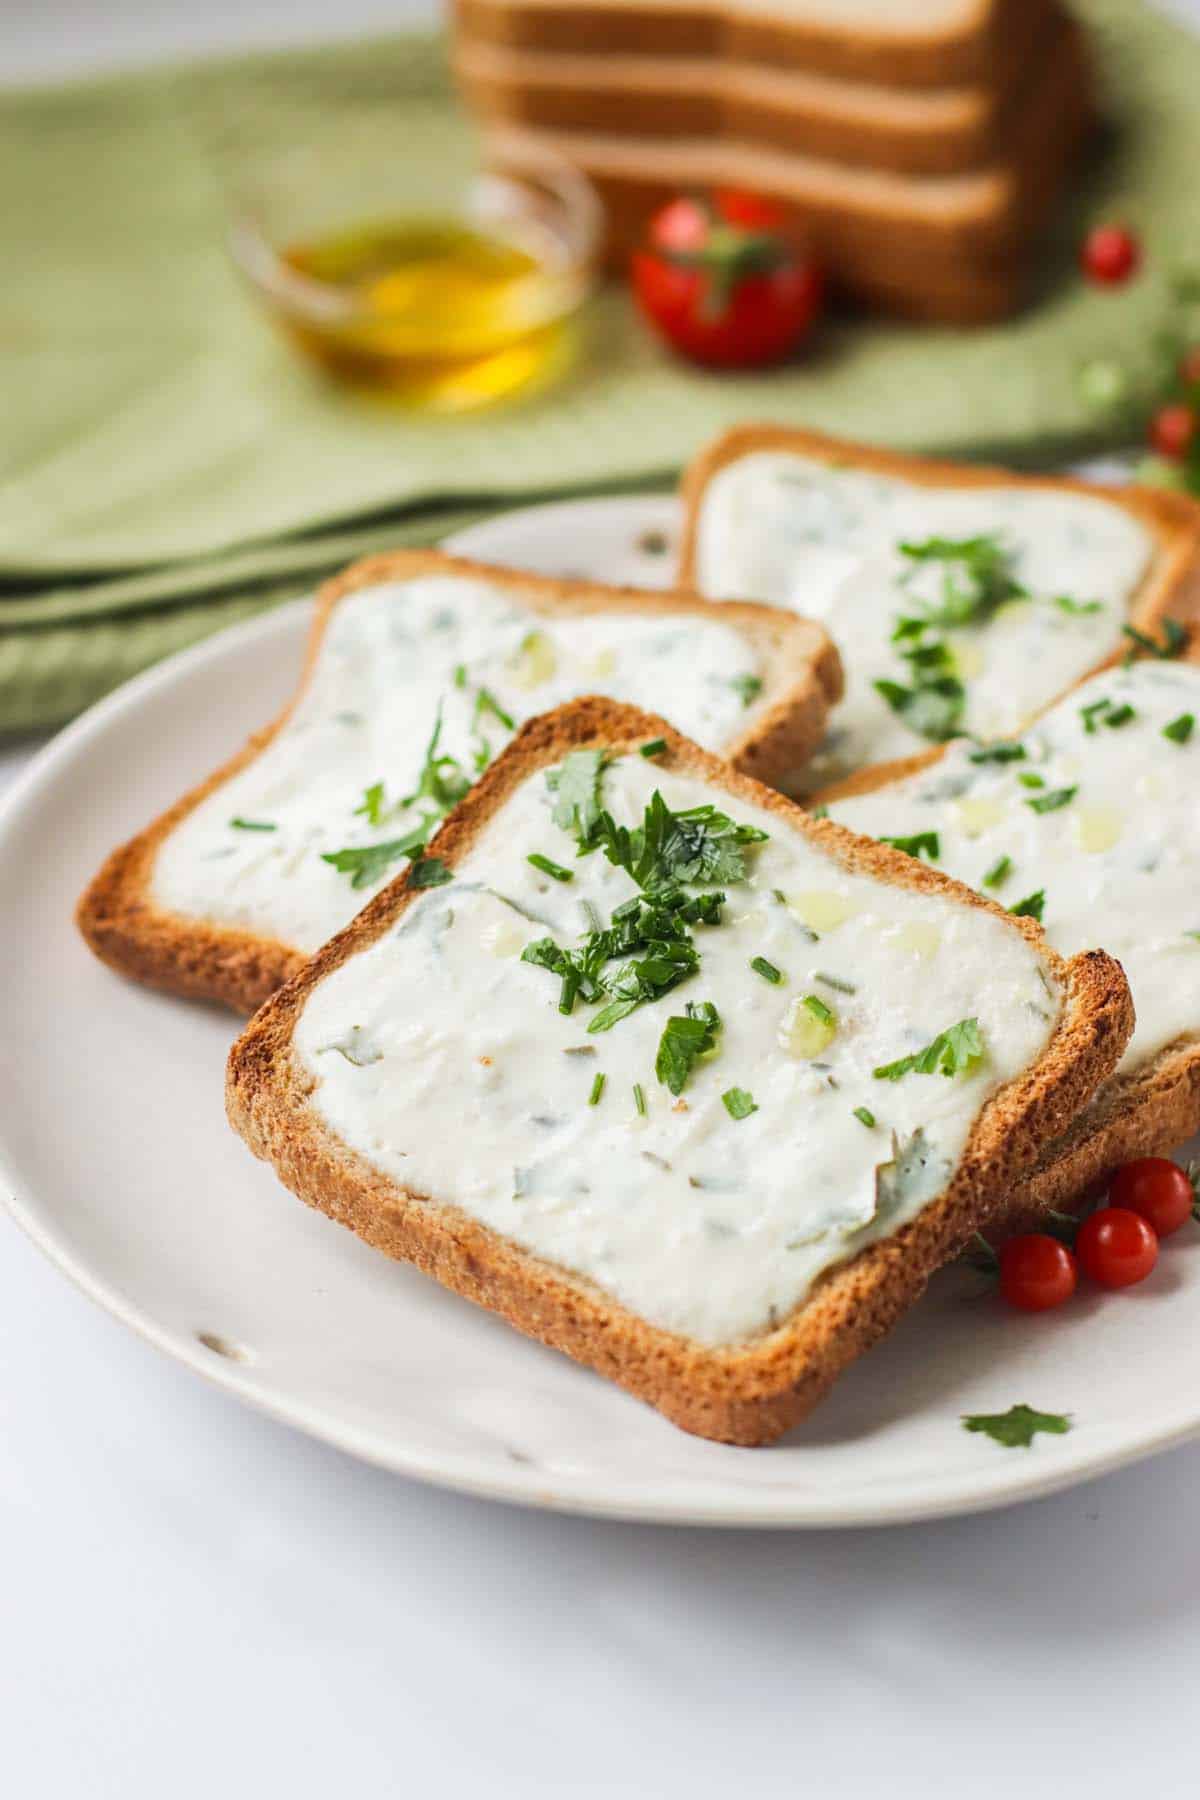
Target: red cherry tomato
1036, 1272
1172, 429
1116, 1247
1110, 254
727, 284
1189, 367
1157, 1189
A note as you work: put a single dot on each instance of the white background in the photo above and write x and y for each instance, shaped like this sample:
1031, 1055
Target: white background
197, 1602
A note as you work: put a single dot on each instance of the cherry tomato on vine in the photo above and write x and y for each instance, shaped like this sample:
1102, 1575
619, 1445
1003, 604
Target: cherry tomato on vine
1110, 254
726, 282
1116, 1247
1036, 1272
1172, 429
1156, 1189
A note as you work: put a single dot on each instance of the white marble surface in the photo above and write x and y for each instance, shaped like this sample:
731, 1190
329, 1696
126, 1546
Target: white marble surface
195, 1601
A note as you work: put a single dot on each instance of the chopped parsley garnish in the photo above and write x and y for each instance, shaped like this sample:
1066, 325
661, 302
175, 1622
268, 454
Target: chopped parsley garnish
365, 863
1052, 800
686, 1037
816, 1006
429, 871
1032, 907
865, 1116
835, 981
1032, 781
597, 1089
655, 747
747, 688
1120, 715
923, 842
1077, 609
976, 577
547, 867
952, 1052
819, 812
1180, 729
999, 872
371, 806
639, 1099
1173, 643
576, 789
1016, 1428
442, 780
252, 825
1103, 712
933, 705
460, 675
766, 969
998, 753
486, 702
738, 1103
698, 845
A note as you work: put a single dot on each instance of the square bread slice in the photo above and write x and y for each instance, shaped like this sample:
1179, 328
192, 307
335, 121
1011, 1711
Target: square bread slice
931, 44
419, 667
937, 131
1061, 568
674, 1077
1116, 862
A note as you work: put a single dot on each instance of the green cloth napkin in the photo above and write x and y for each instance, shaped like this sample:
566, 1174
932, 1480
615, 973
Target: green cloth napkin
168, 465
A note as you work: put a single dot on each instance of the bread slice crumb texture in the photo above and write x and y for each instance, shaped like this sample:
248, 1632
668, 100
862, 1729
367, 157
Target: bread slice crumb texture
441, 1057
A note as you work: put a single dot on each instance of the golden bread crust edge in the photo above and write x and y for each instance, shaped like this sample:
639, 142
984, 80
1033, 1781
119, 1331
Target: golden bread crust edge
202, 960
743, 1394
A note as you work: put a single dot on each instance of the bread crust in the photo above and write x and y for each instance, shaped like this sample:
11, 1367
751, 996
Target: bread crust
746, 1393
202, 960
900, 52
941, 131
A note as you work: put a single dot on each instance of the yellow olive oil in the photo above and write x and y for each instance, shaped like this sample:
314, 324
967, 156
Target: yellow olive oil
443, 315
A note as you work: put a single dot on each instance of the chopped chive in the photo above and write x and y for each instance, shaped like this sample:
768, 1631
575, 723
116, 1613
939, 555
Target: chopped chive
597, 1090
778, 894
817, 1007
655, 747
1076, 609
747, 688
591, 915
460, 675
924, 843
253, 825
1032, 781
553, 869
999, 872
486, 701
1050, 802
1180, 729
639, 1099
998, 753
738, 1103
865, 1116
1032, 907
579, 1050
766, 969
835, 981
1175, 639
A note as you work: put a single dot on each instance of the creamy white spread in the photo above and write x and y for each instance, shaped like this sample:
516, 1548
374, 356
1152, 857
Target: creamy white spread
1118, 862
442, 1057
825, 541
393, 656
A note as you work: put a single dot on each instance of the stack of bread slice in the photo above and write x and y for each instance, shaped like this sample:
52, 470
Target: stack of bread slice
923, 147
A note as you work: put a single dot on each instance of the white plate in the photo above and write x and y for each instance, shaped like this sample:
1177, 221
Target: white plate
120, 1165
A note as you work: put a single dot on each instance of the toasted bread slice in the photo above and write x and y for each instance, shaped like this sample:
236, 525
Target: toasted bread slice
934, 45
1117, 863
799, 518
938, 131
719, 1234
224, 895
